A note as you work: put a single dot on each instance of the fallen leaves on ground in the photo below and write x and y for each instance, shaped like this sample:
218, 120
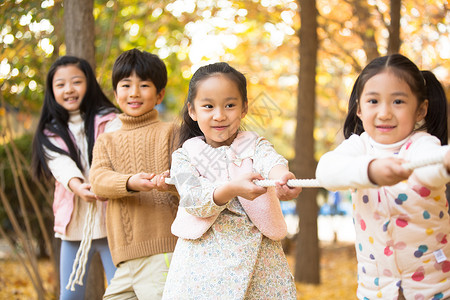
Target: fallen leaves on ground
15, 283
338, 273
337, 263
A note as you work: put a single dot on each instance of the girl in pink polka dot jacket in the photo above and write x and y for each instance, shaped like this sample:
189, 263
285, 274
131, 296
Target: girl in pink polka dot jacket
397, 113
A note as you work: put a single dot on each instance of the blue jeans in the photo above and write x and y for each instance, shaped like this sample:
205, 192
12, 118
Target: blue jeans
68, 253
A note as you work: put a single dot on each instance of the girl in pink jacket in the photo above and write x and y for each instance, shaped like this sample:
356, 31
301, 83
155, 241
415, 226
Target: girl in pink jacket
74, 113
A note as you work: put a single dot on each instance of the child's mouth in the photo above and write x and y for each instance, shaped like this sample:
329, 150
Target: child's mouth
71, 99
220, 128
134, 104
385, 128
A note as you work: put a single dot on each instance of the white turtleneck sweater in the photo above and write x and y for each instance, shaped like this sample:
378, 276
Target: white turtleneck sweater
347, 166
401, 230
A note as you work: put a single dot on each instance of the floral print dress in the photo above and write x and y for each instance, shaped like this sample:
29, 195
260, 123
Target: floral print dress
233, 259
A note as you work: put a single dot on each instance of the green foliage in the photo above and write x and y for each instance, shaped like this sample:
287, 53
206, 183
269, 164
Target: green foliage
257, 37
25, 31
146, 26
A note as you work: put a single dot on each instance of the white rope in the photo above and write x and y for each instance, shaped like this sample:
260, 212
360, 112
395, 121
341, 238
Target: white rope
428, 161
432, 160
290, 182
79, 265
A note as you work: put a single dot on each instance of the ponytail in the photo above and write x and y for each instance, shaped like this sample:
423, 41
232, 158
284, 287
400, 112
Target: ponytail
353, 124
436, 118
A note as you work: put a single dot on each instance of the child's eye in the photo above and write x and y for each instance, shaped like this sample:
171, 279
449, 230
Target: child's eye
207, 106
373, 101
398, 101
146, 83
230, 105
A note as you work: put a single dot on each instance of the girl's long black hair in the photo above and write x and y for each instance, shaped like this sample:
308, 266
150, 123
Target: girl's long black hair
423, 84
54, 118
189, 128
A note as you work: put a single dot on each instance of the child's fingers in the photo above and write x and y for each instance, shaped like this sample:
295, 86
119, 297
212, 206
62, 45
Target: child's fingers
161, 183
88, 196
284, 192
148, 176
84, 191
101, 198
149, 184
400, 171
86, 186
256, 176
283, 180
256, 189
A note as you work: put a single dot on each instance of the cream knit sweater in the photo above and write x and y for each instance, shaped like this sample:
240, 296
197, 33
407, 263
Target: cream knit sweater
138, 223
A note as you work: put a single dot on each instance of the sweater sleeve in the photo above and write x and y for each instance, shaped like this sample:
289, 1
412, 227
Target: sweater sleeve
266, 158
346, 167
196, 192
433, 176
104, 180
63, 168
173, 144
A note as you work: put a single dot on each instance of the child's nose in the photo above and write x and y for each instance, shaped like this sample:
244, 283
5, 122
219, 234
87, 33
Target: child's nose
219, 115
134, 91
69, 88
385, 112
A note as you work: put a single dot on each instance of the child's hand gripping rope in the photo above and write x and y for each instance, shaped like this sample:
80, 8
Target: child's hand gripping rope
431, 160
142, 182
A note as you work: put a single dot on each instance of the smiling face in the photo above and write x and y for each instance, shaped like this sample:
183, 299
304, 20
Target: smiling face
388, 109
69, 87
218, 109
136, 96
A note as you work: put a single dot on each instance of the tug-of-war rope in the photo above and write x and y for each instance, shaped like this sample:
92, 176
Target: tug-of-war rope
435, 159
79, 265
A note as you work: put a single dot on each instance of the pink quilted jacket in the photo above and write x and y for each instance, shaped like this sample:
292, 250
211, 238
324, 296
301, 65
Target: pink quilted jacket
63, 199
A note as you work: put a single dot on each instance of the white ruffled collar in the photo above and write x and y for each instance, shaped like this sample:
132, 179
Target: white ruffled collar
241, 148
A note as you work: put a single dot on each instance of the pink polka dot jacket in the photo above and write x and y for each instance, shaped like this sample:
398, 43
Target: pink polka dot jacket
402, 231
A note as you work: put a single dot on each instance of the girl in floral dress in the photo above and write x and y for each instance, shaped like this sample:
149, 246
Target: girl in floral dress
229, 228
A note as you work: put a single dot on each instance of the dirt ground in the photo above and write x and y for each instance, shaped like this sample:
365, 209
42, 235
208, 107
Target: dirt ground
338, 276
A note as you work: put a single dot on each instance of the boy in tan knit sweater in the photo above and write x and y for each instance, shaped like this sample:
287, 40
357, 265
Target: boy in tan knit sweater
129, 168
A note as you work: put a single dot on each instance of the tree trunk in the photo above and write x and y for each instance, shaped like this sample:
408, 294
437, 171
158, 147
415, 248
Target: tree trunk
95, 282
307, 248
366, 29
394, 27
79, 28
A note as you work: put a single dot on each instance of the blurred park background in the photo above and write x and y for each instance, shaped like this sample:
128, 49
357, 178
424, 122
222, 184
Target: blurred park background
300, 57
